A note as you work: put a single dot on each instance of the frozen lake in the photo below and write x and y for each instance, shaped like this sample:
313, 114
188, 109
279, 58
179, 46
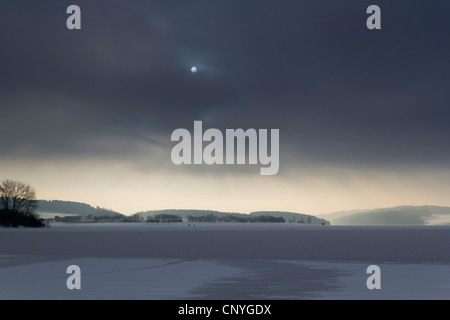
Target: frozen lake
224, 261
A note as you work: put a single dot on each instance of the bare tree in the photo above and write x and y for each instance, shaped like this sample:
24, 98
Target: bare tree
16, 196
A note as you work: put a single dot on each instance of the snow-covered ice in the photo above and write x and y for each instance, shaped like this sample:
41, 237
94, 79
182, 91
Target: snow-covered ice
111, 279
224, 261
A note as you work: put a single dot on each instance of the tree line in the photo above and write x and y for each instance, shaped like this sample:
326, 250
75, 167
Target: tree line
167, 218
89, 218
231, 218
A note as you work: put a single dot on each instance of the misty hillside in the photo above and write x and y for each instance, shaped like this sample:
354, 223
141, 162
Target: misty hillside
58, 207
289, 217
403, 215
70, 207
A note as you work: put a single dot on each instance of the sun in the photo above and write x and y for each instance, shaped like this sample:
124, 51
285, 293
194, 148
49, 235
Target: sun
194, 69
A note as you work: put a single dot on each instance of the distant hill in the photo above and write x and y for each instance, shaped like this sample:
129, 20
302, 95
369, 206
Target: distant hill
402, 215
58, 207
75, 208
288, 216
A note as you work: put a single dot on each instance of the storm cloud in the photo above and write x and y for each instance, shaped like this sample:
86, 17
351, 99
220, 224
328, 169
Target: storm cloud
338, 92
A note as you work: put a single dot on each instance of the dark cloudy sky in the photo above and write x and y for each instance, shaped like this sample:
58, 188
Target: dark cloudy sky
364, 115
